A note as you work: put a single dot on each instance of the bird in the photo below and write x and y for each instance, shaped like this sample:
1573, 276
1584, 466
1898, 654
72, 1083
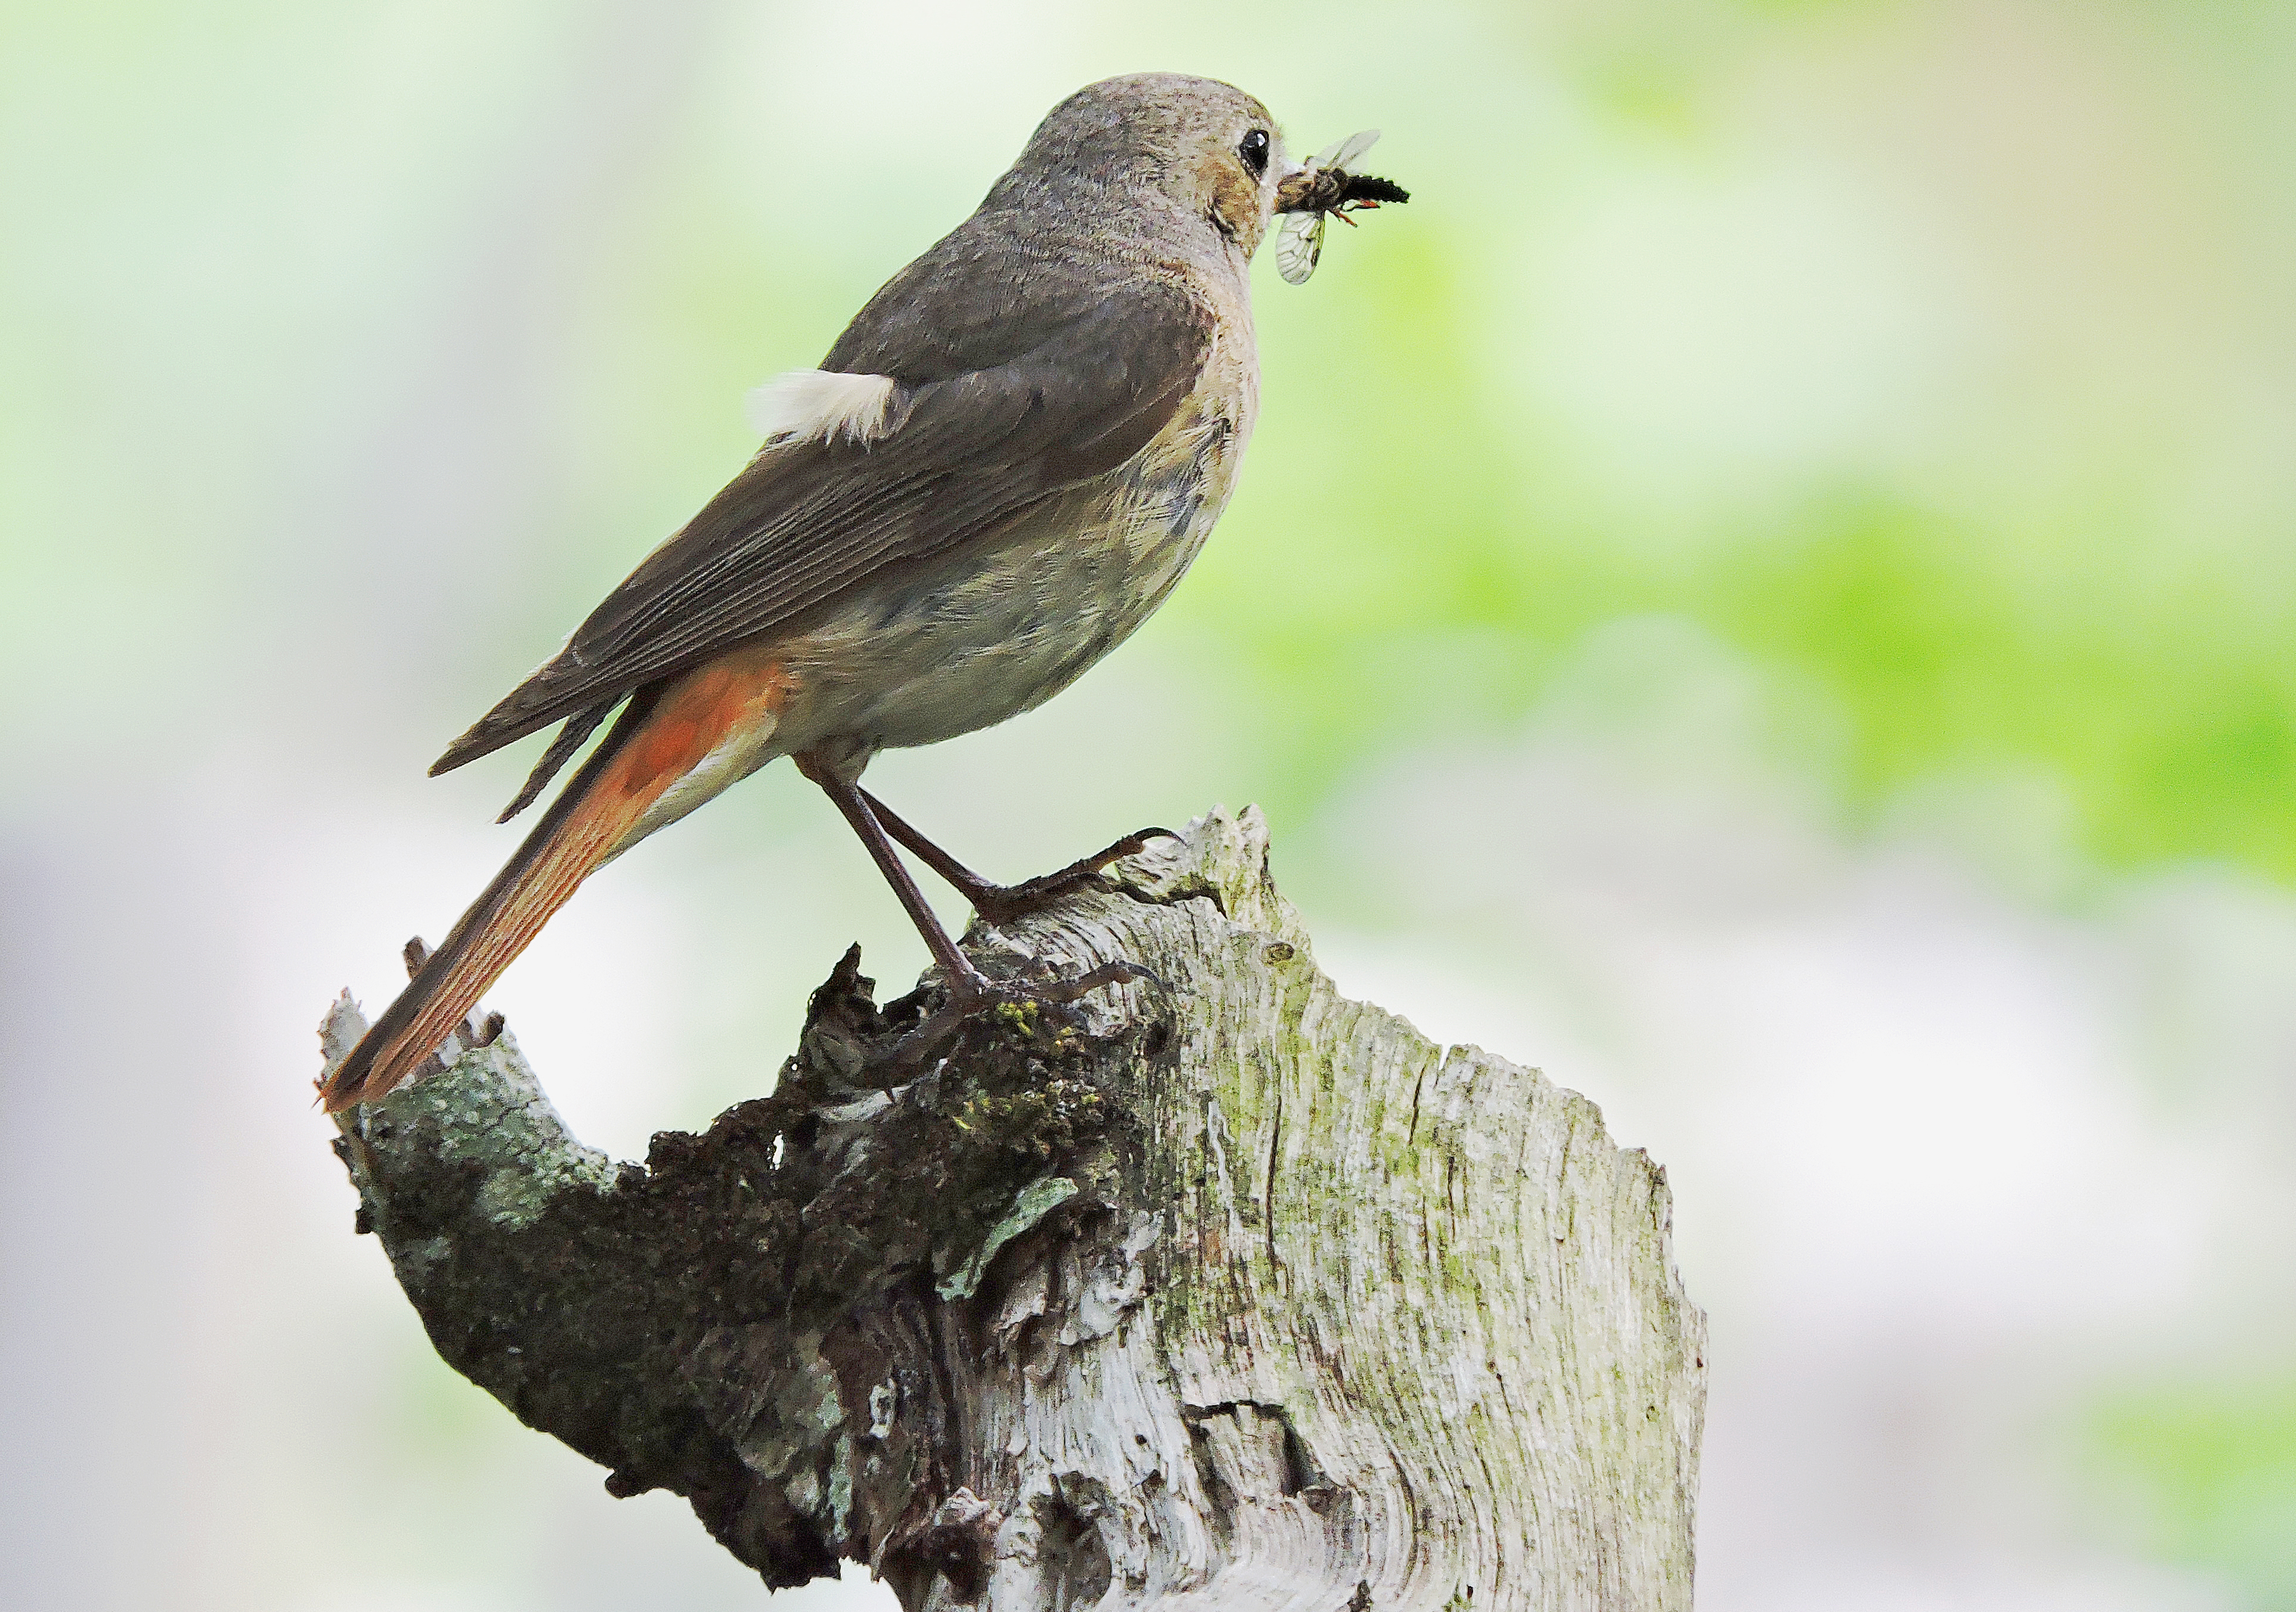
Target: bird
998, 471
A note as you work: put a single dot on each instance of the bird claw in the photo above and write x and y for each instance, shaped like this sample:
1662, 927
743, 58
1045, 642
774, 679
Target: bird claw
1117, 971
1001, 903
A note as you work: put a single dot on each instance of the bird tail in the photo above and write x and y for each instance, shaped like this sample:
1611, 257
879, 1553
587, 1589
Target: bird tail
662, 736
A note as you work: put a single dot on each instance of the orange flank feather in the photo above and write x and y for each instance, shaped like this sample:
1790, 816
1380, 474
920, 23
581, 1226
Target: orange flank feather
663, 735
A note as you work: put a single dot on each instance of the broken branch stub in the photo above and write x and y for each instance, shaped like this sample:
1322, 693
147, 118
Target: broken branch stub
1240, 1294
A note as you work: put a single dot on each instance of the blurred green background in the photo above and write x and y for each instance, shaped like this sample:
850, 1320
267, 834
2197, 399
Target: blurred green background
1767, 590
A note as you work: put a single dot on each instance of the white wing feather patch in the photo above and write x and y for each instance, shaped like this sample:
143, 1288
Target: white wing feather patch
820, 406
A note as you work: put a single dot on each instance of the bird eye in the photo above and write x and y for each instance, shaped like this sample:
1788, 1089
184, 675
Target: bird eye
1254, 152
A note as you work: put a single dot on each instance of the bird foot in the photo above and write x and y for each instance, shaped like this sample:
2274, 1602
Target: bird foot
974, 993
1001, 903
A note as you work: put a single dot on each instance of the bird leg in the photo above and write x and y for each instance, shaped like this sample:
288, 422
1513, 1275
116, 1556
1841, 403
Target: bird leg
963, 979
970, 990
1001, 903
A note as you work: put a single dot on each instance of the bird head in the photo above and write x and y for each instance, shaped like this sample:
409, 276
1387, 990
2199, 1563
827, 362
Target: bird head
1166, 142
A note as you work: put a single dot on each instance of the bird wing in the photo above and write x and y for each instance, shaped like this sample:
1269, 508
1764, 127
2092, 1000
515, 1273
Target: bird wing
1104, 369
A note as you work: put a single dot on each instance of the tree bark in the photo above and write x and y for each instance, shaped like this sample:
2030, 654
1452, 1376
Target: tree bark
1236, 1295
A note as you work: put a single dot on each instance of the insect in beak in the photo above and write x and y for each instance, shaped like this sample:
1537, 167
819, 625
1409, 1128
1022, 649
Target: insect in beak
1322, 189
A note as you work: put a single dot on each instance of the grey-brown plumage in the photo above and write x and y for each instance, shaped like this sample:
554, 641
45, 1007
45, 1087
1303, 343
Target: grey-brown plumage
1040, 344
1009, 458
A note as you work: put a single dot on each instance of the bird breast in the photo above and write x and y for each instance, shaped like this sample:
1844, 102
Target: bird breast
993, 630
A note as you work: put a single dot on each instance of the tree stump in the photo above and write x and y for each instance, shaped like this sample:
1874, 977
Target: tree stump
1236, 1295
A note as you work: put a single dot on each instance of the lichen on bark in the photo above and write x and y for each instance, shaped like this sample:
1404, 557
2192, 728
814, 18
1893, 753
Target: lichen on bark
1234, 1293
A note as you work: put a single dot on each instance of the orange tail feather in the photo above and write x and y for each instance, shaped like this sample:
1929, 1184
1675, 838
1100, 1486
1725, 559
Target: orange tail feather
660, 737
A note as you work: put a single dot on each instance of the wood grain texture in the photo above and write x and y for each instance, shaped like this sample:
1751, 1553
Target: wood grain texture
1241, 1294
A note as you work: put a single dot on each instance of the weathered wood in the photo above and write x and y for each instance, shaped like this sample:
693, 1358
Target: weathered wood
1240, 1294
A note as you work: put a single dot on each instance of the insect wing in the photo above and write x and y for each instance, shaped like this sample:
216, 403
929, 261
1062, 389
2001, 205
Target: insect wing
1339, 153
1344, 155
1298, 244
